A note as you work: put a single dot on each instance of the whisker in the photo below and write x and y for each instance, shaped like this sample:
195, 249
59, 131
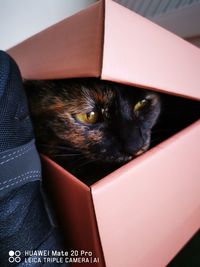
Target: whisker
86, 163
159, 131
74, 162
67, 155
57, 147
153, 139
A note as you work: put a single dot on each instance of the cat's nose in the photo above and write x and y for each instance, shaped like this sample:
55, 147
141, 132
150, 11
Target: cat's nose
133, 148
132, 139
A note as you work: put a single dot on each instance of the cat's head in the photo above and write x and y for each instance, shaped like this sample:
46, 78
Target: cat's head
104, 121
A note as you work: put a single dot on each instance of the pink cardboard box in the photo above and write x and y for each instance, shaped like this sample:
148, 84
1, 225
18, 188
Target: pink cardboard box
142, 214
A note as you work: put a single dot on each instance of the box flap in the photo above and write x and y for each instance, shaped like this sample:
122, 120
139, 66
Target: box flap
70, 48
156, 198
74, 209
137, 51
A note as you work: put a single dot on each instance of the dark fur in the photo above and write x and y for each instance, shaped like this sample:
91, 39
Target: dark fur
119, 136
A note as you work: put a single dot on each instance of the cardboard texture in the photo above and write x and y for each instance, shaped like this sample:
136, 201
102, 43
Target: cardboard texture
143, 213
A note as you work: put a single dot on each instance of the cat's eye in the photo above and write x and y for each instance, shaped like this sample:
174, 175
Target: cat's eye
88, 118
140, 105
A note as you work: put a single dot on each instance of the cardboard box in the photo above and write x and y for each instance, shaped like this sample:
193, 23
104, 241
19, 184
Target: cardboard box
143, 213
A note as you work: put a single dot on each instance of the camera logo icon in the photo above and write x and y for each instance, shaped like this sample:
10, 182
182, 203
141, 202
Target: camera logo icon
14, 256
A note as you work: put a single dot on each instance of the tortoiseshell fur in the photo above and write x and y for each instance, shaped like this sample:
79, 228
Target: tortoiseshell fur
84, 149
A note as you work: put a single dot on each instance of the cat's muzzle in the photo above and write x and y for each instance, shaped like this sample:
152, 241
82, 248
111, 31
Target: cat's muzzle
142, 150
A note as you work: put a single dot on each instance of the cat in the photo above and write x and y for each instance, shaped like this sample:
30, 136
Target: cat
91, 126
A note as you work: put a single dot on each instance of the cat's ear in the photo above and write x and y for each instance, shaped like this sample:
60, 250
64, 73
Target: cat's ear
154, 99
